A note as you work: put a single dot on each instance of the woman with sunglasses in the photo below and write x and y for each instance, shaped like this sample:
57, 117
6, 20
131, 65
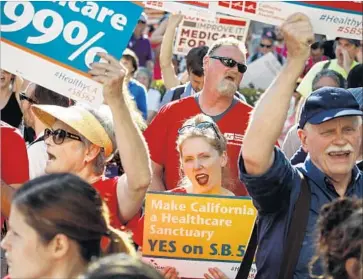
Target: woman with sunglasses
56, 226
203, 161
80, 140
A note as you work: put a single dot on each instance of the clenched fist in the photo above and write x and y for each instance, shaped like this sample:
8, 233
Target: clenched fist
298, 35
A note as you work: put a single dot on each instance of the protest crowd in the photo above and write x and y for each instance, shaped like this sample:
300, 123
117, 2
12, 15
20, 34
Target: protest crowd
74, 178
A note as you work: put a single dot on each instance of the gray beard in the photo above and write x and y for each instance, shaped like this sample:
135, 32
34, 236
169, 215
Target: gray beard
227, 88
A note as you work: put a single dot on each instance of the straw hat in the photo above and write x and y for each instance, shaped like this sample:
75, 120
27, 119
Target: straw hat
80, 119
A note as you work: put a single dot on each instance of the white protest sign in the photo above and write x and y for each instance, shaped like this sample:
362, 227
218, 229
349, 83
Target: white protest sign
194, 32
330, 18
198, 9
261, 72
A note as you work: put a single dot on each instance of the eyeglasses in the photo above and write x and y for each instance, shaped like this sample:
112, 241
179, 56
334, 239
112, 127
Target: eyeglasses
200, 126
25, 97
230, 63
59, 135
266, 46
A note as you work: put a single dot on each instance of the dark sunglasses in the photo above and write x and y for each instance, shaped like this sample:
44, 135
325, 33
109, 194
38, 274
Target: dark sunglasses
142, 22
25, 97
230, 63
200, 126
59, 135
267, 46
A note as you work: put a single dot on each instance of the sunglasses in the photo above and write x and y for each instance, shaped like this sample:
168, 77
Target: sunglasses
230, 63
267, 46
201, 126
141, 21
59, 135
25, 97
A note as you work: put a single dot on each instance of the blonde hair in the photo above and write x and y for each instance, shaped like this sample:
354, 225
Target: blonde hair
212, 135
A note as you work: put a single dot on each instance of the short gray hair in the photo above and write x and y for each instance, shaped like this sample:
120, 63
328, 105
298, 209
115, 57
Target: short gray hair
104, 117
337, 77
227, 42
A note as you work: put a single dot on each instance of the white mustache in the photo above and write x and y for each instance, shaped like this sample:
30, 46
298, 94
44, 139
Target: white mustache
346, 148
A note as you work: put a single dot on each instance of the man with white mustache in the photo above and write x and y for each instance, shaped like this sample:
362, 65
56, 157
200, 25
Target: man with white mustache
330, 131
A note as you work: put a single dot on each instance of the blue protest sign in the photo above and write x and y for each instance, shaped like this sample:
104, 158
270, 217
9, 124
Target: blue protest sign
67, 34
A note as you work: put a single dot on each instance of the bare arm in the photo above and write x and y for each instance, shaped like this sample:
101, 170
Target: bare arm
132, 147
157, 183
270, 113
166, 52
158, 35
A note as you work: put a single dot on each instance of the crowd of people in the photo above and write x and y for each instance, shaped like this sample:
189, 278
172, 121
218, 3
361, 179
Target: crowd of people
74, 178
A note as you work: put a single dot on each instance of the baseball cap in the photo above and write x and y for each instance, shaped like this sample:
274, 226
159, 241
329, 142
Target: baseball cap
328, 103
80, 119
143, 17
358, 94
352, 41
268, 33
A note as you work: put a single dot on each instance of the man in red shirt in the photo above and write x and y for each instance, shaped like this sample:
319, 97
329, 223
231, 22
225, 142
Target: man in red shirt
224, 66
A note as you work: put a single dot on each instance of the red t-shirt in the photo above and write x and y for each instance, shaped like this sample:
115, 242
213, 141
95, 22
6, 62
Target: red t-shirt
14, 157
107, 188
162, 133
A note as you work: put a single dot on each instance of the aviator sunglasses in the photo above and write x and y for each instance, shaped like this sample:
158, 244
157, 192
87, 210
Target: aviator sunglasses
59, 135
201, 126
230, 63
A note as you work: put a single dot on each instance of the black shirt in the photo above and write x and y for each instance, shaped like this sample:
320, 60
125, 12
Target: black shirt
11, 113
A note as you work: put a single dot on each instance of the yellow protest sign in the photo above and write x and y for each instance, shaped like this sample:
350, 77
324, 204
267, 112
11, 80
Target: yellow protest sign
183, 230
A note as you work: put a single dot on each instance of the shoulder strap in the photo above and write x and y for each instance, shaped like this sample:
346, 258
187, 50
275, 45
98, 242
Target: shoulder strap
178, 92
294, 240
246, 263
326, 65
296, 232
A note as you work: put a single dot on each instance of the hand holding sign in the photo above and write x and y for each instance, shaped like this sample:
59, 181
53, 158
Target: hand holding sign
298, 35
216, 274
111, 74
169, 272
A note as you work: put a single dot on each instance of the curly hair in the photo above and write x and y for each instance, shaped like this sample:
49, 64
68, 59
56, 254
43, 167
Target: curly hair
339, 236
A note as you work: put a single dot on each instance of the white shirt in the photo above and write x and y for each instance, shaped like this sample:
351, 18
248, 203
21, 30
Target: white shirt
153, 99
37, 156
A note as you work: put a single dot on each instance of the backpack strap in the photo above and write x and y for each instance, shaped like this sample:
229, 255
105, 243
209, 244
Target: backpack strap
296, 231
246, 263
178, 92
295, 237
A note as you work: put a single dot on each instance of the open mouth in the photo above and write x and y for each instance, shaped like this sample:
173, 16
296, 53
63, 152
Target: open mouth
339, 154
202, 179
51, 157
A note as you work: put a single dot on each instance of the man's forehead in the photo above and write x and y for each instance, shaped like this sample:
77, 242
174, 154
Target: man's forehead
230, 51
340, 120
